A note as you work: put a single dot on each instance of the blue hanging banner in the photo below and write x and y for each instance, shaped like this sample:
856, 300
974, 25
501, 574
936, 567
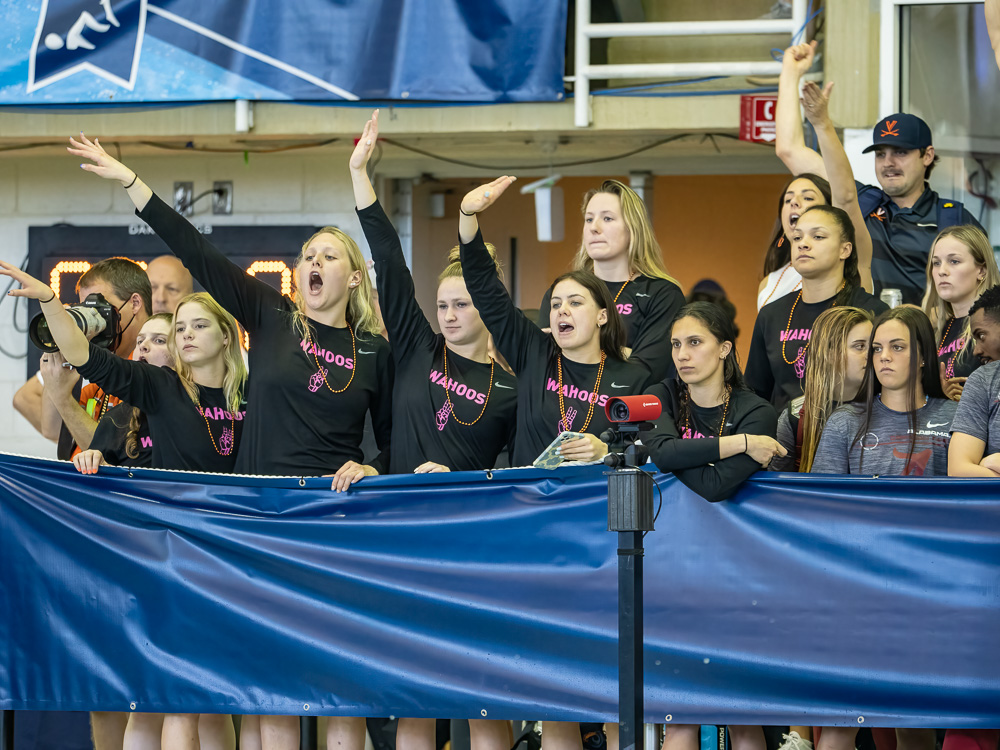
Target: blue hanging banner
146, 51
816, 600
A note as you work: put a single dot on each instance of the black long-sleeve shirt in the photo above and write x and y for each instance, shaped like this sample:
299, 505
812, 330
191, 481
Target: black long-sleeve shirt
295, 425
647, 307
533, 355
691, 451
188, 436
424, 427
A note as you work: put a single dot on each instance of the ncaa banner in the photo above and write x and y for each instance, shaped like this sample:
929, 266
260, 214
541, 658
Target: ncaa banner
152, 51
818, 600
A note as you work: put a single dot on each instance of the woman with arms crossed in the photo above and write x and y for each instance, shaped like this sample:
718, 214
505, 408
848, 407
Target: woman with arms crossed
318, 361
714, 432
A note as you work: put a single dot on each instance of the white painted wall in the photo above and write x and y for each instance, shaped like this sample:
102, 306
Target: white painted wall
304, 188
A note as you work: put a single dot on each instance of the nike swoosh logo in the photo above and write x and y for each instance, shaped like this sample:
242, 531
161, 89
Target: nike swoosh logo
640, 294
362, 351
501, 385
936, 424
615, 385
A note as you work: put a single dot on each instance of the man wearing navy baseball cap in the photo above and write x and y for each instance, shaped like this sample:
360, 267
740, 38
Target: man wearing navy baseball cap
903, 214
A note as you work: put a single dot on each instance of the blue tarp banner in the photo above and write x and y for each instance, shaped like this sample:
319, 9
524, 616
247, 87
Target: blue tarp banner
808, 600
134, 51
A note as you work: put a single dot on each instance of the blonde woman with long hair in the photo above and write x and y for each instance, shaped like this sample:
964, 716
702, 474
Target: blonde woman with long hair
619, 247
960, 267
835, 370
195, 415
319, 366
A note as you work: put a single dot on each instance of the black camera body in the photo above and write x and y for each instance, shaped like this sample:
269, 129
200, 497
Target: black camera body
95, 316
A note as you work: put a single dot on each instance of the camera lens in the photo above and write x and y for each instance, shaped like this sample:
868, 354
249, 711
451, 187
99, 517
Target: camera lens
38, 332
619, 411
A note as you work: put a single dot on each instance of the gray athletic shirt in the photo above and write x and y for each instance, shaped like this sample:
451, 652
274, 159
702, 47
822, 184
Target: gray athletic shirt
884, 450
978, 412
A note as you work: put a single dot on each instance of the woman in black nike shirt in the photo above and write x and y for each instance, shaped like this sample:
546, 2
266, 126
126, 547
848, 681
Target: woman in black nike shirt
453, 406
714, 432
620, 248
319, 366
195, 414
564, 378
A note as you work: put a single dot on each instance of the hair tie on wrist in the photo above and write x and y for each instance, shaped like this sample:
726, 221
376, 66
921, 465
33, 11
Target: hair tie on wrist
134, 178
465, 214
49, 299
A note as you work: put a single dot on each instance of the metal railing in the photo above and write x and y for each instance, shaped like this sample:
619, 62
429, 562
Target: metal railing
585, 31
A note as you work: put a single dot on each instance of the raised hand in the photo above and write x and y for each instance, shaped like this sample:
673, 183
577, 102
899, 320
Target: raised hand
478, 200
104, 165
31, 287
799, 58
816, 101
366, 144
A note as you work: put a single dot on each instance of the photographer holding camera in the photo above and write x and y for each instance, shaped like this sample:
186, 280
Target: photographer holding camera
48, 400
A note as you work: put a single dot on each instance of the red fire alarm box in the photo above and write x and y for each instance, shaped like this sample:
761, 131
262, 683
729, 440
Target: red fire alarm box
757, 118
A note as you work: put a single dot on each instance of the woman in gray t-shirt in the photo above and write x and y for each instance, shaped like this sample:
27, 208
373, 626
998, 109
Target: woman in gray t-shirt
901, 424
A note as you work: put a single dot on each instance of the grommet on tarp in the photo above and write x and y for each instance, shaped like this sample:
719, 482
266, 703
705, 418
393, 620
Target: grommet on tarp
302, 481
130, 474
489, 475
669, 717
305, 706
861, 720
132, 705
483, 713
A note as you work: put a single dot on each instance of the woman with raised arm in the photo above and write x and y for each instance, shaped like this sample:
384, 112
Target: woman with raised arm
318, 361
122, 435
453, 406
960, 267
620, 248
565, 377
801, 192
714, 432
843, 188
834, 373
195, 415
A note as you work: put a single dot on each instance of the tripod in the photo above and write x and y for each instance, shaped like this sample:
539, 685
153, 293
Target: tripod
630, 513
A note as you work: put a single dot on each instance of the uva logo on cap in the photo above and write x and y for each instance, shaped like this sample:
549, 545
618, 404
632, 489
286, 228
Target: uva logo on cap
890, 129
